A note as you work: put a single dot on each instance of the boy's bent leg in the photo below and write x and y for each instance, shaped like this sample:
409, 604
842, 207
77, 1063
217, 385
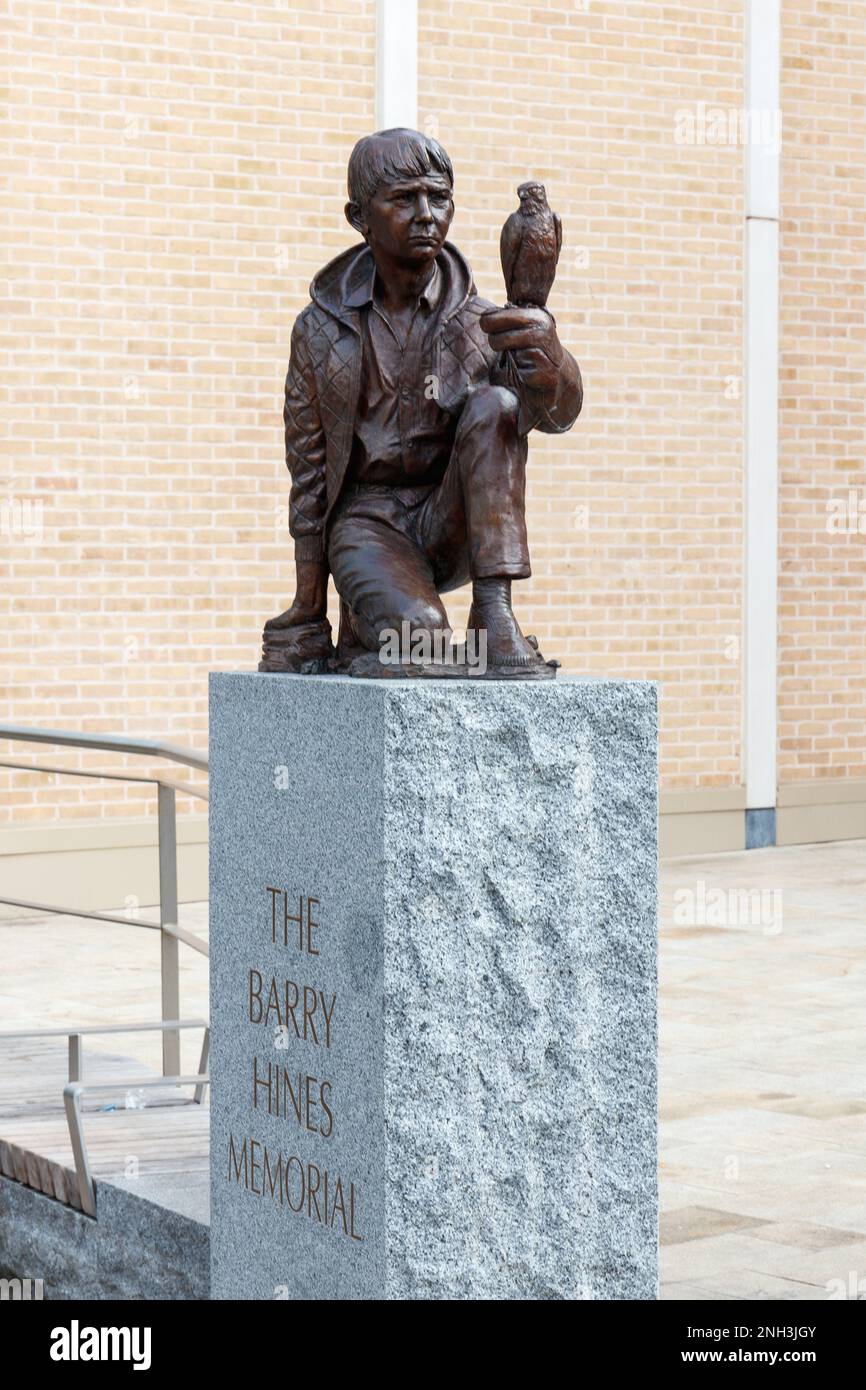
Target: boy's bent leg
474, 525
385, 579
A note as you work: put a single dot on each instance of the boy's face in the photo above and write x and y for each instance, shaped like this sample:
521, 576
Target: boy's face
408, 220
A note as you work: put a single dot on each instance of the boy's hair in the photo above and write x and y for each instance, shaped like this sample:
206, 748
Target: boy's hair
390, 155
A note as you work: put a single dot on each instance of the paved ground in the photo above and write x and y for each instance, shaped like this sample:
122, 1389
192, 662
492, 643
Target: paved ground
763, 1092
763, 1095
59, 972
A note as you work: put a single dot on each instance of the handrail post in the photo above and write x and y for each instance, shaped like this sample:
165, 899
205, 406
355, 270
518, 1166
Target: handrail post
76, 1068
86, 1191
167, 828
203, 1061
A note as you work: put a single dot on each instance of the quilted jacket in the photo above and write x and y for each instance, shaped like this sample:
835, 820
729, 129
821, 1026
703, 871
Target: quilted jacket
323, 382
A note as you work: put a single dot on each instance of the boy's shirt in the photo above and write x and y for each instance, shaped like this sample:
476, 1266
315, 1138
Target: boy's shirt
402, 438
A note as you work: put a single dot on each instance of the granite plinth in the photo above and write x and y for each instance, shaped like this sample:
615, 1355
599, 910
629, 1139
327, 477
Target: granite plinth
433, 976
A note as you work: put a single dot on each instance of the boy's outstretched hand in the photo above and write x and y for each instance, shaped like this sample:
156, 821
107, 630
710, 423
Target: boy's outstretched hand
529, 334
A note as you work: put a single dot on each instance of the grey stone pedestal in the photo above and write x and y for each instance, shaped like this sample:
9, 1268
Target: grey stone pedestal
433, 937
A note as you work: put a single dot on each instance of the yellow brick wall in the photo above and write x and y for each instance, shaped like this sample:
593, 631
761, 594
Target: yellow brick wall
822, 609
635, 517
176, 174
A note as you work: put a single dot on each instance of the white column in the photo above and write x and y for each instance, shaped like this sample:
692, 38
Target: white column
396, 63
763, 26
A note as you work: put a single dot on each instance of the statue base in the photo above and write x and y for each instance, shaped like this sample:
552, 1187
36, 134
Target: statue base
433, 964
303, 650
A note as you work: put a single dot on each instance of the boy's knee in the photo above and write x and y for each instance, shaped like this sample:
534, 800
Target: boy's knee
399, 623
491, 406
419, 616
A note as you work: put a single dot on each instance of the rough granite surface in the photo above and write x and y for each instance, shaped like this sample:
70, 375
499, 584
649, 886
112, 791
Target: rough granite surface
134, 1250
484, 859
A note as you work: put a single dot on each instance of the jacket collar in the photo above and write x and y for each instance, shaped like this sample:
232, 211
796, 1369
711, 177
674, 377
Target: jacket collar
363, 293
346, 283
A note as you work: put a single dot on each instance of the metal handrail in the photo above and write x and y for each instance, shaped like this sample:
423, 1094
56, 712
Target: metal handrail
72, 1101
187, 937
186, 787
106, 742
171, 934
75, 1033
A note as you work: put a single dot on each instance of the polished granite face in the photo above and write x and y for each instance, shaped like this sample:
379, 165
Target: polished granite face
433, 937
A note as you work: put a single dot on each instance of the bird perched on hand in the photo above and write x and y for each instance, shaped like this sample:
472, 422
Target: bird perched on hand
529, 247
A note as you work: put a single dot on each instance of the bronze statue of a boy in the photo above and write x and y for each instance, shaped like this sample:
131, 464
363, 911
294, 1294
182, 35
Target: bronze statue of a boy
408, 404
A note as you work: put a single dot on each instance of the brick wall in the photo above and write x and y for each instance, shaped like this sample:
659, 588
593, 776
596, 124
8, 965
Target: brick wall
176, 175
822, 609
635, 517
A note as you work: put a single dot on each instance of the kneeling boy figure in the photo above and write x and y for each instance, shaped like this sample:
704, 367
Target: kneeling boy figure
408, 404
